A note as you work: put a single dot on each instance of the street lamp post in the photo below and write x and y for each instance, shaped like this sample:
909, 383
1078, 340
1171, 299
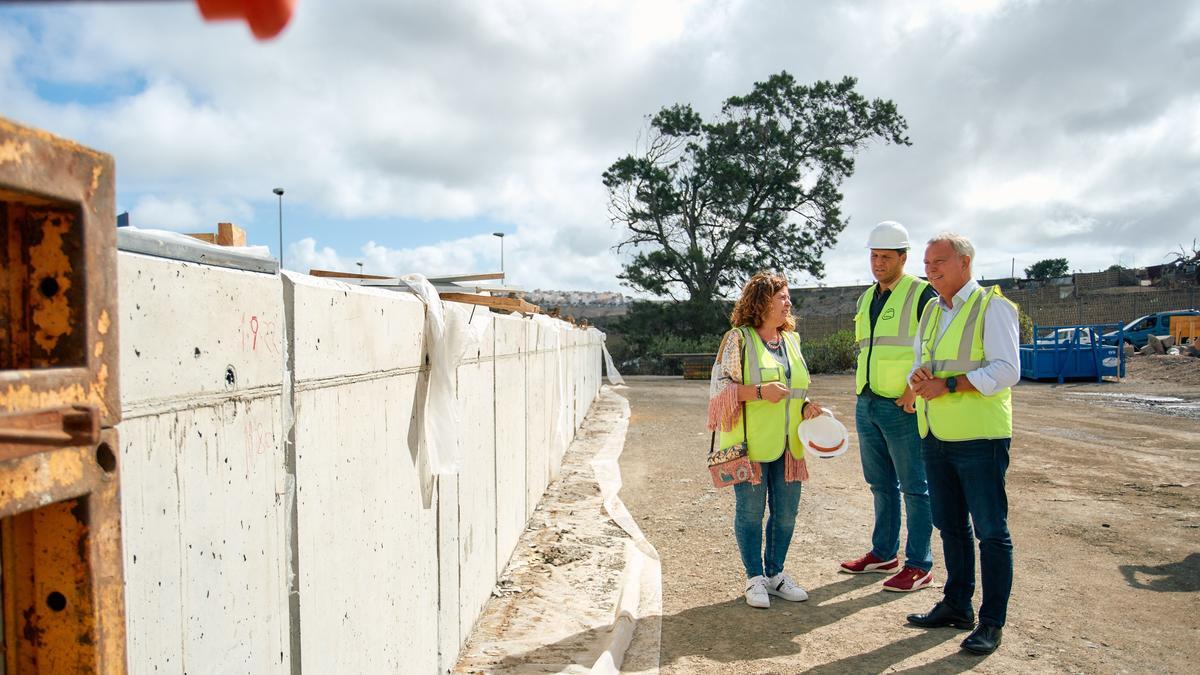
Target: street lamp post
501, 235
279, 193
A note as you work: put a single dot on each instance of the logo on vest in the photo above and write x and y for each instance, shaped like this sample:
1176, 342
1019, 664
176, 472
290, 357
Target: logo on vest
889, 313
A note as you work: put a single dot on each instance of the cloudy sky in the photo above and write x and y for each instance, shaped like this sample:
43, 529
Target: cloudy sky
406, 133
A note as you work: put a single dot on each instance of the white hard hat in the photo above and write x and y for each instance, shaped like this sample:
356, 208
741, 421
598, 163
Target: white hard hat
888, 234
824, 436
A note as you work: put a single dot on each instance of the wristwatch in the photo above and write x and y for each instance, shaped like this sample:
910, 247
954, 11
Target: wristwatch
951, 383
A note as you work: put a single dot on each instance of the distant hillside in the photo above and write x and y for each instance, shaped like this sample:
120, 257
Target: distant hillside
582, 304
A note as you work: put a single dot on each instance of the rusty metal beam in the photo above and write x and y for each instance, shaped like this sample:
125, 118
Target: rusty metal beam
58, 321
60, 508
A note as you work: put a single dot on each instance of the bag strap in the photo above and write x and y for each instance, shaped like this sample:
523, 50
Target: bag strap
712, 443
745, 420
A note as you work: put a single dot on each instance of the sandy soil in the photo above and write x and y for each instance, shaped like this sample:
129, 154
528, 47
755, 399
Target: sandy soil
553, 607
1104, 492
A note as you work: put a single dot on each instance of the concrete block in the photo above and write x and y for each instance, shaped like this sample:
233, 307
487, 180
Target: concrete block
204, 541
510, 373
477, 489
450, 634
190, 330
367, 530
202, 465
538, 392
347, 330
1159, 344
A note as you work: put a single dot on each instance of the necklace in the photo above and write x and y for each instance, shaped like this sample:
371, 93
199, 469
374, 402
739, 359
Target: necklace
773, 345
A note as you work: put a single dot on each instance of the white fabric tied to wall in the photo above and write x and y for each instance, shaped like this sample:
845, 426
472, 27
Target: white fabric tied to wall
450, 333
614, 378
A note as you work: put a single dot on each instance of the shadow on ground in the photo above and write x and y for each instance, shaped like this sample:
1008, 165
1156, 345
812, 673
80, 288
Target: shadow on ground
760, 634
1180, 577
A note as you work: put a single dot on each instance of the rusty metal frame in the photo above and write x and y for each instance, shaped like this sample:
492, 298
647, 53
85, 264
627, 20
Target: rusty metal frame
39, 170
60, 508
60, 542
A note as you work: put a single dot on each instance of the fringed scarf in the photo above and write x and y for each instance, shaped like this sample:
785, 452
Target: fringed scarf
724, 409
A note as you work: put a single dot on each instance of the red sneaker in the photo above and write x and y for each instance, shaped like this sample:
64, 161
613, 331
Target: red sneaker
909, 579
870, 563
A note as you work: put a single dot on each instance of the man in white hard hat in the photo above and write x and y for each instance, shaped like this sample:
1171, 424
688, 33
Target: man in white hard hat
889, 446
966, 365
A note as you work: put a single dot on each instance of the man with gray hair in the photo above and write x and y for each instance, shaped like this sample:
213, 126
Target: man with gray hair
966, 364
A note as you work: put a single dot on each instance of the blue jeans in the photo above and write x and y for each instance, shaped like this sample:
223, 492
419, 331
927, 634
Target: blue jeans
890, 448
966, 486
751, 503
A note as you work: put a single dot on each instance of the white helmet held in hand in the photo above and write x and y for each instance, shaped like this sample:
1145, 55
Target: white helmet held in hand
888, 234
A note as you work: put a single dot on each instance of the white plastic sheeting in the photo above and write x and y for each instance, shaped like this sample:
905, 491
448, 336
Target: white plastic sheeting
610, 368
450, 333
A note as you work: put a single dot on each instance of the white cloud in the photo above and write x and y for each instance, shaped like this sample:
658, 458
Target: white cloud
1039, 130
304, 255
184, 215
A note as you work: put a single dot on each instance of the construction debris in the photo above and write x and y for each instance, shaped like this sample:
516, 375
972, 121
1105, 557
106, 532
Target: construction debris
1158, 344
453, 288
227, 234
493, 302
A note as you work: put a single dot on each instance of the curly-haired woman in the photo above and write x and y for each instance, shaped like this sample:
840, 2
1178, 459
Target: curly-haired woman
760, 372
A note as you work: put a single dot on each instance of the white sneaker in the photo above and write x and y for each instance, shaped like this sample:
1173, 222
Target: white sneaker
782, 585
756, 593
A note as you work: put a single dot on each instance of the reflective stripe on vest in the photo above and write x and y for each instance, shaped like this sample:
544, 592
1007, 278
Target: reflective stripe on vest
771, 425
885, 351
961, 416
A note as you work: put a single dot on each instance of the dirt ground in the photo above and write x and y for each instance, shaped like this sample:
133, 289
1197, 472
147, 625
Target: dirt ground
553, 608
1104, 492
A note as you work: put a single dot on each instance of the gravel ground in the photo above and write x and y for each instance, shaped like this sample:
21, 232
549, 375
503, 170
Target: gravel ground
1104, 510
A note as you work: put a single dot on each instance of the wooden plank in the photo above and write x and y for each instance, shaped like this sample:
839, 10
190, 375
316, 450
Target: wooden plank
507, 304
206, 237
468, 288
466, 277
344, 275
229, 234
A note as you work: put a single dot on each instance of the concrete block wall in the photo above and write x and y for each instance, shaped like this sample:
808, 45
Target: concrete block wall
1046, 306
278, 511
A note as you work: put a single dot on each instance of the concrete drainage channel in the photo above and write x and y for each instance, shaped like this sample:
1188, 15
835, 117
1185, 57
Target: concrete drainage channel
1186, 405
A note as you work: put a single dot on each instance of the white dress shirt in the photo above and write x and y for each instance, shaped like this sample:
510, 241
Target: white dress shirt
1001, 337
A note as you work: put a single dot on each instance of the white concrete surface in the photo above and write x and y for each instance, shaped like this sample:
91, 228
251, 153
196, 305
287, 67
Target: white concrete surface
201, 468
392, 564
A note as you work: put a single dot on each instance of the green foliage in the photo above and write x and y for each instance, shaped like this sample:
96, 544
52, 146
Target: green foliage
1048, 269
1026, 326
688, 318
707, 204
643, 354
833, 354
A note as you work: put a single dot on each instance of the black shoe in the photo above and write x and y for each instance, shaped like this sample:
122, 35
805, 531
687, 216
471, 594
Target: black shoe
983, 640
941, 615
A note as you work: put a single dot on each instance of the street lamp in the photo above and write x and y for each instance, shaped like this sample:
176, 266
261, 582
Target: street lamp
501, 235
279, 193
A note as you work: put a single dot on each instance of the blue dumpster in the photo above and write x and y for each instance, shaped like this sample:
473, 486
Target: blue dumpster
1064, 353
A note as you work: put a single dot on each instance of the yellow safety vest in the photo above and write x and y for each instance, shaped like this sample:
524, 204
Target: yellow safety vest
888, 350
771, 425
961, 416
